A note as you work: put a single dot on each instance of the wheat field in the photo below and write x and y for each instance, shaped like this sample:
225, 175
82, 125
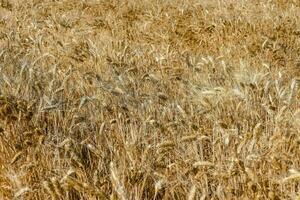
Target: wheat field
147, 99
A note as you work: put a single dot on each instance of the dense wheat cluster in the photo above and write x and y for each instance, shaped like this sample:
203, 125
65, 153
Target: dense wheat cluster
147, 99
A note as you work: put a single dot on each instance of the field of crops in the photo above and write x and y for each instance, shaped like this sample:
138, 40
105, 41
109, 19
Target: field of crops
148, 99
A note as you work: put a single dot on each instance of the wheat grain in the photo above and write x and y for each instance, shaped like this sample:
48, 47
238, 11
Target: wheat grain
149, 99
